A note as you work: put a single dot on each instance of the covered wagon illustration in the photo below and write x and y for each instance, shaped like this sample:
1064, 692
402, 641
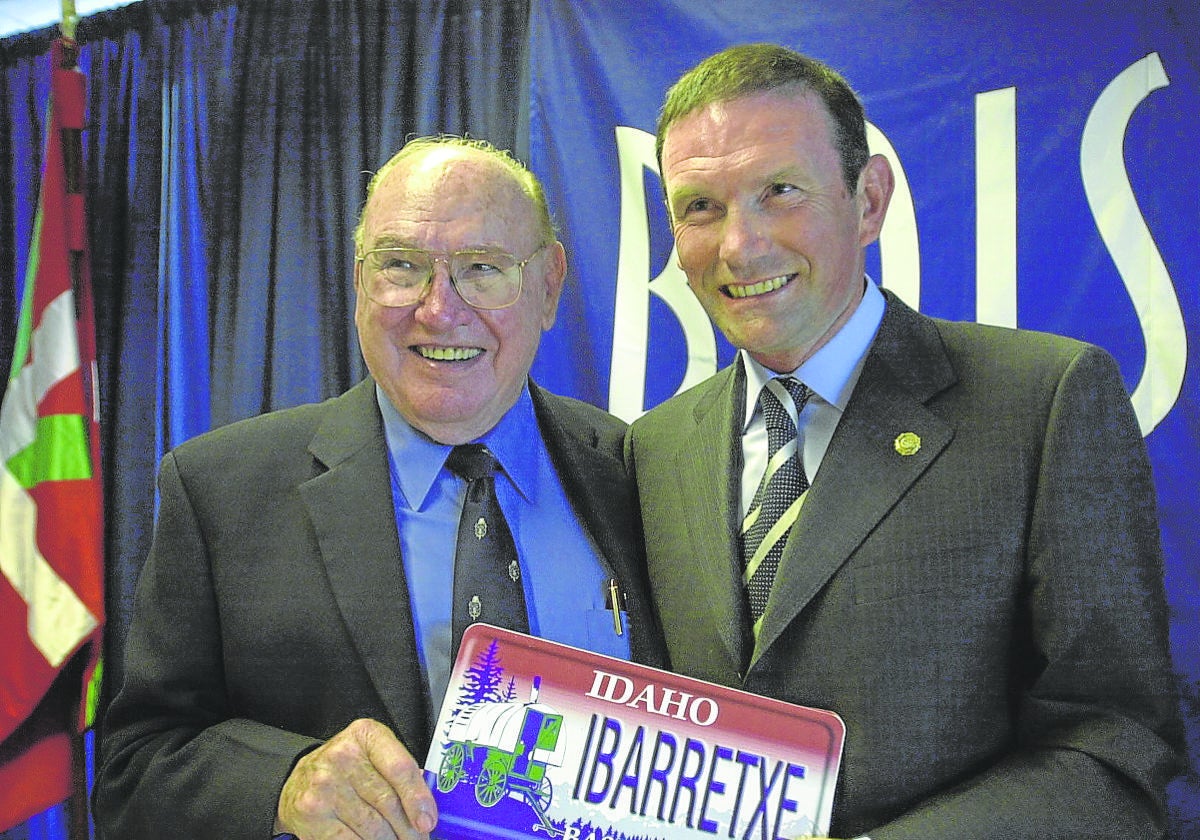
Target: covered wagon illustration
504, 748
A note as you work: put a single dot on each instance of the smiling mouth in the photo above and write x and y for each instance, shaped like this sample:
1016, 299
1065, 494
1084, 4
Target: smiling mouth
755, 289
446, 354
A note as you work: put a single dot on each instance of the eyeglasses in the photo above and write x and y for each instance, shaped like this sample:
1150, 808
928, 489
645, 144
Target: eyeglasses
484, 279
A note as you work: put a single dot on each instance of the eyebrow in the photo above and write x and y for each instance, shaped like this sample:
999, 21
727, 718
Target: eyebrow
790, 174
387, 241
682, 195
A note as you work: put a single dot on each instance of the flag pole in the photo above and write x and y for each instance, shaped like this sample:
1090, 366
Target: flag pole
69, 19
78, 812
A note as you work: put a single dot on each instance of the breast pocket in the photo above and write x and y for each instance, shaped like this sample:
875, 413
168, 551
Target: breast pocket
602, 634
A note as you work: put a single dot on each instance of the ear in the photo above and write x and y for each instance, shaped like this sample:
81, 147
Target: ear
875, 186
360, 297
554, 276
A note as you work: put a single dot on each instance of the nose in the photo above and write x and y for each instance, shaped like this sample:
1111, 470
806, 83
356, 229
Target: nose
742, 239
440, 307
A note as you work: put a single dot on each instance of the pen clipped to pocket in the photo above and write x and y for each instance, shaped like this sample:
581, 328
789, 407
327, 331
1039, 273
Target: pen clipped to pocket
614, 599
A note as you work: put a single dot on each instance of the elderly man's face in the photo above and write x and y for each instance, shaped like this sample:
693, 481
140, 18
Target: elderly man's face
450, 370
767, 232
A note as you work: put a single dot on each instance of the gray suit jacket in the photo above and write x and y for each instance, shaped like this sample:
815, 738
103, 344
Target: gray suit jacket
273, 609
986, 614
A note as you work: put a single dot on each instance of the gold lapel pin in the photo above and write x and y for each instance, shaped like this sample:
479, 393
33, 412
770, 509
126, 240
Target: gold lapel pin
908, 443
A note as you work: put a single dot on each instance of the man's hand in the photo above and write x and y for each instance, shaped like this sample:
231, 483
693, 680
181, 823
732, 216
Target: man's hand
361, 783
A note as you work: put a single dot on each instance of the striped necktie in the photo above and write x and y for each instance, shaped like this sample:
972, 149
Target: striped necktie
777, 501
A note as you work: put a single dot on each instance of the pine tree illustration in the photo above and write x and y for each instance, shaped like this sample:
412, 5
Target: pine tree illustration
482, 681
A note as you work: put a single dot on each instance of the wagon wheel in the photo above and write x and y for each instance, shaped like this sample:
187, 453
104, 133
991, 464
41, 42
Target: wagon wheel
451, 772
541, 797
491, 785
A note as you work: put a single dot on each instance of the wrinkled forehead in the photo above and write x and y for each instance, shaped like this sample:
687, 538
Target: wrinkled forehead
747, 115
775, 131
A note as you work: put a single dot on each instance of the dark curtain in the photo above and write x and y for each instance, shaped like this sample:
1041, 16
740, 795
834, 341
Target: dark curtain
228, 150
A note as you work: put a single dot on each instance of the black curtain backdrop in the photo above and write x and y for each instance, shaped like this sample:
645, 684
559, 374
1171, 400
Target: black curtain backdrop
228, 149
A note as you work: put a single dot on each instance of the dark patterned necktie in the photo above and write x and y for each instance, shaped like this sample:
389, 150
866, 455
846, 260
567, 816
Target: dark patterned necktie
777, 501
487, 573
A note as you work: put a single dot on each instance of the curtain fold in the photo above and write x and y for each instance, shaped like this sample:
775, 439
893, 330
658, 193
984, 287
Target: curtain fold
228, 149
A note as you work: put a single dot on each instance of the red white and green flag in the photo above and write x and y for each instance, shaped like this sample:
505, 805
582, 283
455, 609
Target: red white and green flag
51, 513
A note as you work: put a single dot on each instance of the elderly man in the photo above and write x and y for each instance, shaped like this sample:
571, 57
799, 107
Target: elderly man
296, 618
944, 532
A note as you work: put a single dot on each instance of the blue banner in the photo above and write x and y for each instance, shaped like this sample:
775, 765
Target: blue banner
1045, 180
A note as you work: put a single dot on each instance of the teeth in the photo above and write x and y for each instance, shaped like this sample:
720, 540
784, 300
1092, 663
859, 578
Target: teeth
448, 354
755, 289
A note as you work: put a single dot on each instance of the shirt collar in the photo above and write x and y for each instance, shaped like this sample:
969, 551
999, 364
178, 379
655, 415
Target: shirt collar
831, 372
417, 459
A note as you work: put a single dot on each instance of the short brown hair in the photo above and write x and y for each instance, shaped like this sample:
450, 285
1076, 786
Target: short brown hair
758, 68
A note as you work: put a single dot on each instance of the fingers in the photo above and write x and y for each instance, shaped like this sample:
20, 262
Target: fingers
362, 783
403, 774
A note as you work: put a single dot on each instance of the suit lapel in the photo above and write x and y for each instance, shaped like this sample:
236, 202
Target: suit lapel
709, 463
354, 520
863, 473
592, 479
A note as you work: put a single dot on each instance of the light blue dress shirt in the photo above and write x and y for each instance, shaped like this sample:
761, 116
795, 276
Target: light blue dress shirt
565, 579
831, 373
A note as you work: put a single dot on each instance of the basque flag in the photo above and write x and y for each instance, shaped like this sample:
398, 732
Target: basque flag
51, 512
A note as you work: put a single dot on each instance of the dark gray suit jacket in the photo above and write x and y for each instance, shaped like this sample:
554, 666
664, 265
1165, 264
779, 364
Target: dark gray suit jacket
273, 609
986, 614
